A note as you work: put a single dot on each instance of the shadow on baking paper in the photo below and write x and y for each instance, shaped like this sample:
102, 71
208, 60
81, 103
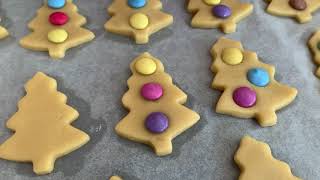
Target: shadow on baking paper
72, 163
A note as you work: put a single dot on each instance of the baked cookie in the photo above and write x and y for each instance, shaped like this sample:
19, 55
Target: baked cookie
314, 45
301, 10
248, 85
256, 162
156, 112
115, 178
56, 28
137, 18
218, 13
42, 127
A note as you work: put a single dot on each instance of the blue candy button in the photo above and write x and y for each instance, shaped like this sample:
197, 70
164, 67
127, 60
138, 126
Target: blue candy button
56, 4
258, 77
136, 3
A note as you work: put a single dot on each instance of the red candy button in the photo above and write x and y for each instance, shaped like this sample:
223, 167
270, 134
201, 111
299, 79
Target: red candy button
58, 18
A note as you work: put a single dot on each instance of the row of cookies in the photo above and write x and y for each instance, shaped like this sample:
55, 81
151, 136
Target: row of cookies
156, 111
57, 26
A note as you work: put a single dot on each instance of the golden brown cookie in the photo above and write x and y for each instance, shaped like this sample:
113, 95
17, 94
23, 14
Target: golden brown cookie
139, 22
56, 30
314, 45
42, 130
257, 163
156, 112
301, 10
218, 13
248, 85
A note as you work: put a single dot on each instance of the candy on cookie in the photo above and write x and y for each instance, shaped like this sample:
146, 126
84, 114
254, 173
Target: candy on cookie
248, 85
157, 114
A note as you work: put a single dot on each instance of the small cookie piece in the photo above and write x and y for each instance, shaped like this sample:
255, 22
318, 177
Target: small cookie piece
42, 127
115, 178
218, 13
137, 18
314, 45
256, 162
3, 32
248, 85
301, 10
56, 28
156, 112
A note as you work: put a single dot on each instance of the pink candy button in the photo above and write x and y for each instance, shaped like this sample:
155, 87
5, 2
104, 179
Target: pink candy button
151, 91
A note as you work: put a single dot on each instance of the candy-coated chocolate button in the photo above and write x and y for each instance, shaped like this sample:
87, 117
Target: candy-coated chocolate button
244, 97
232, 56
221, 11
151, 91
145, 66
58, 18
212, 2
139, 21
57, 35
136, 3
157, 122
299, 5
56, 4
258, 77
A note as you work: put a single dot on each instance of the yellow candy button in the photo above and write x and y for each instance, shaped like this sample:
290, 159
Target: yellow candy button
139, 21
212, 2
232, 56
57, 35
145, 66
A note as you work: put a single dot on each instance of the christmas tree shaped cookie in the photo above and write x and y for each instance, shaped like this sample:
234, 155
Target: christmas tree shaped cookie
314, 44
42, 127
156, 112
256, 162
3, 31
137, 18
300, 9
248, 85
218, 13
56, 28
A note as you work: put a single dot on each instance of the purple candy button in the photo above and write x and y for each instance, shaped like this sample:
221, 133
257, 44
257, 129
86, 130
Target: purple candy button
151, 91
221, 11
156, 122
244, 97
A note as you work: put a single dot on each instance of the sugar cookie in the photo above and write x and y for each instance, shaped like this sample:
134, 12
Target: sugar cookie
156, 112
42, 127
214, 14
56, 14
248, 85
314, 45
256, 162
301, 10
137, 18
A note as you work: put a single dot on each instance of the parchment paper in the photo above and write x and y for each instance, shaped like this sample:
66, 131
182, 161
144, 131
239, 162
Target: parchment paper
94, 77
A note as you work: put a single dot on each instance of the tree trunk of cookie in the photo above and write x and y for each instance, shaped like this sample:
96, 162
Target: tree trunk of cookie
229, 27
267, 118
43, 166
304, 17
141, 38
162, 147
